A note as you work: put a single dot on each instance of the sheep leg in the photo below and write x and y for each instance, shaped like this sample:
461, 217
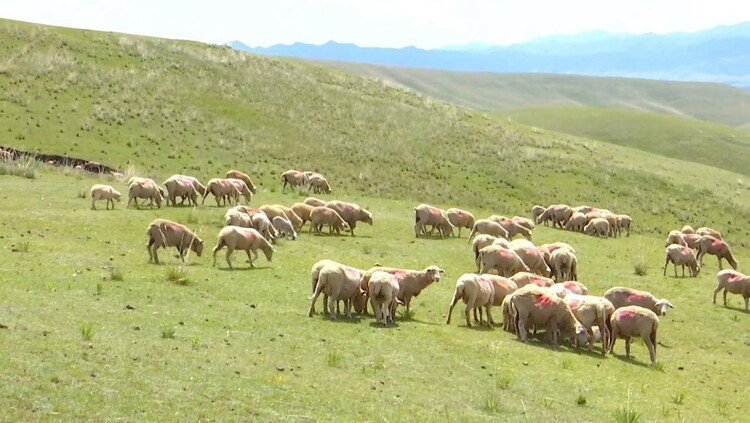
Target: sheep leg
450, 309
150, 253
650, 341
521, 330
627, 347
333, 304
375, 308
746, 301
490, 320
318, 290
230, 250
250, 258
719, 257
467, 314
725, 297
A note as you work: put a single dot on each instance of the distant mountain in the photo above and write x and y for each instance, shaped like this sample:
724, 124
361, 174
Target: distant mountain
720, 54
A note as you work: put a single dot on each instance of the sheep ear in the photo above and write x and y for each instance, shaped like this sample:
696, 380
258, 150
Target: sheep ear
670, 304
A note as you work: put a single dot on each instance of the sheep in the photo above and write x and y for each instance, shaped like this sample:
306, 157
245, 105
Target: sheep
692, 240
338, 282
592, 311
351, 213
564, 264
687, 229
576, 222
623, 223
274, 210
180, 187
569, 287
630, 321
236, 174
710, 232
675, 237
537, 211
510, 226
144, 188
166, 233
622, 296
238, 238
558, 214
524, 221
502, 288
315, 202
522, 279
683, 256
199, 187
263, 225
222, 189
460, 219
594, 214
319, 184
550, 247
583, 209
383, 289
234, 217
539, 307
242, 189
614, 224
734, 282
293, 178
480, 241
506, 262
284, 227
485, 226
598, 227
533, 259
411, 282
509, 314
303, 211
716, 247
104, 192
476, 292
314, 276
320, 216
425, 214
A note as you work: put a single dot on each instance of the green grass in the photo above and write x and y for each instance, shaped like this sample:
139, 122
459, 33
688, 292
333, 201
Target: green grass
239, 344
671, 136
508, 91
23, 166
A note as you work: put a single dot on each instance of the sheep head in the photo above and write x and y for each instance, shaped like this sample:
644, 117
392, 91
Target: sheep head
663, 306
434, 273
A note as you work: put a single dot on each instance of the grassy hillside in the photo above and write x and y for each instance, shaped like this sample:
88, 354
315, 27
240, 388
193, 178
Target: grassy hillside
90, 331
685, 139
496, 91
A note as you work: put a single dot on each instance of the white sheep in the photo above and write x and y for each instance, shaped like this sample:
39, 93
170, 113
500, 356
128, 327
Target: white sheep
488, 227
630, 321
411, 282
338, 282
734, 282
564, 265
542, 308
598, 226
383, 288
248, 239
681, 256
460, 219
144, 188
621, 296
284, 227
675, 237
476, 292
166, 233
104, 192
504, 261
427, 215
537, 211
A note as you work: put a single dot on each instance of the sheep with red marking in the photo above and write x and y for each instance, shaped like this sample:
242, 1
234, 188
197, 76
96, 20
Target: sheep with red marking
166, 233
733, 282
681, 256
537, 211
236, 174
223, 191
621, 296
427, 215
383, 289
477, 292
687, 229
569, 287
715, 247
504, 261
488, 227
320, 216
592, 311
104, 192
338, 282
460, 219
524, 221
144, 188
248, 239
692, 240
559, 214
522, 279
540, 307
710, 232
510, 226
178, 186
676, 238
630, 321
411, 282
293, 178
351, 213
242, 189
315, 202
532, 258
564, 265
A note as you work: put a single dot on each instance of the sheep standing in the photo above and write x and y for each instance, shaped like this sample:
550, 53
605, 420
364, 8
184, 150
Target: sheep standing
236, 174
480, 241
535, 306
592, 311
234, 217
734, 282
676, 238
351, 213
524, 221
510, 226
320, 216
223, 191
303, 211
504, 261
293, 178
477, 292
630, 321
338, 282
166, 233
716, 247
144, 188
242, 189
284, 227
411, 282
537, 211
522, 279
274, 210
248, 239
569, 287
180, 187
104, 192
425, 214
576, 222
559, 214
319, 184
564, 265
315, 202
533, 259
623, 223
263, 225
621, 297
488, 227
383, 288
460, 219
598, 227
683, 256
709, 231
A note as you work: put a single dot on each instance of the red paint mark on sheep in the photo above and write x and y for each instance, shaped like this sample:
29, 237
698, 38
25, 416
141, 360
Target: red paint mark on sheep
734, 277
544, 301
434, 211
573, 304
686, 250
552, 248
718, 243
625, 314
352, 272
539, 281
398, 274
636, 296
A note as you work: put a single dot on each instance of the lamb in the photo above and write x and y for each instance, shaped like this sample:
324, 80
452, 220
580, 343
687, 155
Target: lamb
623, 223
533, 259
383, 289
505, 262
315, 202
319, 184
236, 174
522, 279
559, 214
622, 296
411, 282
460, 219
476, 292
104, 192
710, 232
293, 178
351, 213
320, 216
274, 210
510, 226
488, 227
676, 238
716, 247
144, 188
598, 227
424, 215
592, 311
576, 222
303, 211
534, 305
630, 321
166, 233
338, 282
683, 256
178, 186
284, 227
222, 189
564, 264
537, 211
734, 282
242, 189
524, 221
238, 238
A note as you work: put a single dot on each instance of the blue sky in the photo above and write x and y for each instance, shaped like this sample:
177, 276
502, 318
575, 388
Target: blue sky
386, 23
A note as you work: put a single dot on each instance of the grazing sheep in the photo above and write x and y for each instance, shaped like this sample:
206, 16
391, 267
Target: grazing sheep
537, 211
303, 211
480, 241
556, 245
199, 187
242, 189
383, 289
411, 282
569, 287
622, 296
504, 261
592, 311
614, 224
716, 247
314, 276
502, 288
274, 210
460, 219
237, 238
692, 240
524, 221
284, 226
564, 265
351, 213
263, 225
576, 222
337, 282
488, 227
104, 192
630, 321
320, 216
510, 226
425, 214
180, 187
222, 189
687, 229
583, 209
293, 178
315, 202
710, 232
166, 233
477, 292
522, 279
319, 184
559, 214
683, 256
533, 259
145, 188
623, 223
236, 174
676, 238
734, 282
598, 227
509, 314
234, 217
542, 308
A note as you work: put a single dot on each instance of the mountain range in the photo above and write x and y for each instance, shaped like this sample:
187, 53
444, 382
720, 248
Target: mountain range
720, 54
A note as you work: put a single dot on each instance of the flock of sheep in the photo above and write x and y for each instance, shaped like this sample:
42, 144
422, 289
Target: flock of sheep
535, 285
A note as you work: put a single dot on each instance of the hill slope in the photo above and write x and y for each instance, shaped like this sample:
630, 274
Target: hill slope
497, 91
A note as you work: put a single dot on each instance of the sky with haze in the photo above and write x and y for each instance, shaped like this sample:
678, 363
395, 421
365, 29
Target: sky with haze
377, 23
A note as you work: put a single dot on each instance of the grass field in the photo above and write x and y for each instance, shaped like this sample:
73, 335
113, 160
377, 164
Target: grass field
91, 331
501, 91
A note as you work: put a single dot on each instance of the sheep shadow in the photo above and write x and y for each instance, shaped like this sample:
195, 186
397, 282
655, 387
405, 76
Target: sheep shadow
375, 324
243, 269
539, 341
734, 309
340, 318
630, 360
